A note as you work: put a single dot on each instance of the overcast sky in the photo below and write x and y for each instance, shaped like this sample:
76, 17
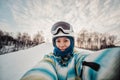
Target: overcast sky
35, 15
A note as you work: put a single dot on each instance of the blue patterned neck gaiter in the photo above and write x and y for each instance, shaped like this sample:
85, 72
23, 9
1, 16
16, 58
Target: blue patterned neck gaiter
68, 52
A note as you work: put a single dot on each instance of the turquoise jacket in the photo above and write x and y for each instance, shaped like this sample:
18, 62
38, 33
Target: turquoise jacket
55, 68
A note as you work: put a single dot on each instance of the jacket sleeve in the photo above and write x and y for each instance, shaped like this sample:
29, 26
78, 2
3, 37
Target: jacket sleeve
44, 70
79, 58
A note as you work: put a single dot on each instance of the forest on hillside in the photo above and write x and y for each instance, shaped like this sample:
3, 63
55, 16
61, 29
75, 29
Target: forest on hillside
84, 40
95, 40
9, 43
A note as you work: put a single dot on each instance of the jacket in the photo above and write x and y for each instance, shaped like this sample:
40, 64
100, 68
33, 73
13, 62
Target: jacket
56, 68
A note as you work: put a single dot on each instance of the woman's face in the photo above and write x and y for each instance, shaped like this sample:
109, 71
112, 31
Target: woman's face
62, 43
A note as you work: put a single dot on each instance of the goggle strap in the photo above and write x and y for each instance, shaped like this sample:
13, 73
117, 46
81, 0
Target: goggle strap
59, 31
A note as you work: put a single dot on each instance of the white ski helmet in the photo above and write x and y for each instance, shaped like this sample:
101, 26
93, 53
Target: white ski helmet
62, 28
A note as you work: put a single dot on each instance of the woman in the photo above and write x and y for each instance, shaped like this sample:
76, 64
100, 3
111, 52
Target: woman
64, 63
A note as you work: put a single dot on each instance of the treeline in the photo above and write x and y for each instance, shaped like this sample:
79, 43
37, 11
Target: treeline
84, 39
95, 40
10, 43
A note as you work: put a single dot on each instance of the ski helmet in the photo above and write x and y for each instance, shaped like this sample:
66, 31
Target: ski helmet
62, 28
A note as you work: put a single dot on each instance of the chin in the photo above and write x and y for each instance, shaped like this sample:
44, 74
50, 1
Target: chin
62, 50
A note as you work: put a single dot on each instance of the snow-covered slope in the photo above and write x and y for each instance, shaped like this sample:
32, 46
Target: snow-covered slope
14, 65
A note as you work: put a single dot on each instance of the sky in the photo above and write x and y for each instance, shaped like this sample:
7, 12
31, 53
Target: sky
32, 16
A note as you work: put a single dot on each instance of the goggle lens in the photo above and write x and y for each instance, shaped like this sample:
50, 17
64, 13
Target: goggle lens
65, 27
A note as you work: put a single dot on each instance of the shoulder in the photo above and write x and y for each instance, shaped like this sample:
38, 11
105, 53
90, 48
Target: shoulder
79, 55
77, 52
49, 58
48, 55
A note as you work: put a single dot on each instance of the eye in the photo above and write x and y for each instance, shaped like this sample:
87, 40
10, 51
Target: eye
66, 40
58, 41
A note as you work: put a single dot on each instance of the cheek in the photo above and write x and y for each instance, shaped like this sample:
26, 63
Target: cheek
68, 44
57, 44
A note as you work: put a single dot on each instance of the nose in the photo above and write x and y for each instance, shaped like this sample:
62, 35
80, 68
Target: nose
62, 44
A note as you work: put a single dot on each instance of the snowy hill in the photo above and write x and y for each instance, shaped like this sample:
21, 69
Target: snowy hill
14, 65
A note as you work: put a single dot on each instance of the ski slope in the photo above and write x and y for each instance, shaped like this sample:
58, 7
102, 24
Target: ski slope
14, 65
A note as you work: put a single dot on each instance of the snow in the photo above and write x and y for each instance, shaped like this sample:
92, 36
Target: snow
14, 65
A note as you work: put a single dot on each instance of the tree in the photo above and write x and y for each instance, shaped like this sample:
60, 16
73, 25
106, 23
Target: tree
1, 33
38, 38
25, 39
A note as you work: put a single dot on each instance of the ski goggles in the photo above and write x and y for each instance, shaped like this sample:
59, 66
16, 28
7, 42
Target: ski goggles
66, 28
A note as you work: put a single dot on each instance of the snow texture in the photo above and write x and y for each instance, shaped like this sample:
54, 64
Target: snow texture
14, 65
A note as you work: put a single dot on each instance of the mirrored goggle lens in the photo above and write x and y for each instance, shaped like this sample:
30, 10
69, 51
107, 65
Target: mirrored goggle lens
63, 26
